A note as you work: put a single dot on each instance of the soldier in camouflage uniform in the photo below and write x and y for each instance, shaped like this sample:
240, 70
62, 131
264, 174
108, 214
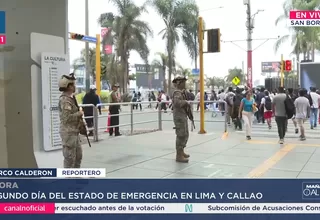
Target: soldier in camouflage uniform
70, 119
180, 118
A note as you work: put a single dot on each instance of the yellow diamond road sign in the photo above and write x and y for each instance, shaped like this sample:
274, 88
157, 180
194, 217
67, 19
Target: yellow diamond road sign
236, 81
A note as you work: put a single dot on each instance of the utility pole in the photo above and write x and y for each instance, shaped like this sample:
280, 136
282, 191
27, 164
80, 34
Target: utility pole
88, 69
196, 61
200, 38
249, 25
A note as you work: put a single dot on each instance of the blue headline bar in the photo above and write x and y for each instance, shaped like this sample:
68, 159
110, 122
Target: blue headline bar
2, 22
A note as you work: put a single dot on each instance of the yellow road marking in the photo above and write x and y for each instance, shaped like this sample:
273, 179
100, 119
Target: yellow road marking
275, 143
269, 163
261, 142
225, 135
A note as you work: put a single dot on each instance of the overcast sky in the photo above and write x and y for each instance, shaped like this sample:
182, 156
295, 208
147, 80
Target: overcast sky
230, 19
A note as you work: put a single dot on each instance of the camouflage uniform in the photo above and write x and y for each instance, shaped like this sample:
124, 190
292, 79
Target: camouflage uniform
70, 118
180, 119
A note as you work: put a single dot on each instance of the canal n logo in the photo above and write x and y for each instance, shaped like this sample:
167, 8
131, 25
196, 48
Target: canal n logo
188, 208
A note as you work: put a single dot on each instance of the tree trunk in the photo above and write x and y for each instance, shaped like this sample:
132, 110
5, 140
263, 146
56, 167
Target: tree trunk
165, 87
313, 51
170, 49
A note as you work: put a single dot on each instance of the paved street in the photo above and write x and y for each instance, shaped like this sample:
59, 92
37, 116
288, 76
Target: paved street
213, 155
261, 130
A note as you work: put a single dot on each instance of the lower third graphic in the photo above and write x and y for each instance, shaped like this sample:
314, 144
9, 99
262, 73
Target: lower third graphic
311, 190
188, 208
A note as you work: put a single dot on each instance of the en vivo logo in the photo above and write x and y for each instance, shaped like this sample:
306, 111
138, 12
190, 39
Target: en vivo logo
304, 18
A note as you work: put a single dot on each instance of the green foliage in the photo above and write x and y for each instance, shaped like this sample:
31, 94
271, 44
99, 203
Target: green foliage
104, 96
235, 72
216, 81
79, 97
180, 19
304, 40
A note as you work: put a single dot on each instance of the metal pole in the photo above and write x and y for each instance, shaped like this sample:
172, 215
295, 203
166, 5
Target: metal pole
131, 118
196, 62
87, 45
249, 45
159, 117
202, 131
95, 123
243, 67
98, 65
282, 69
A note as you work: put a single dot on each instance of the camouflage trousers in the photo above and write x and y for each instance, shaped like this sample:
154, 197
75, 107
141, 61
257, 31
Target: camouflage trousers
182, 132
72, 150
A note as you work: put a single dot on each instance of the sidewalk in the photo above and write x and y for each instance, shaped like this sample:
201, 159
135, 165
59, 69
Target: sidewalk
152, 155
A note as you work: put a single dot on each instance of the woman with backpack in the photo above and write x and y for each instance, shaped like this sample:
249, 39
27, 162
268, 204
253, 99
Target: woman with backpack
266, 105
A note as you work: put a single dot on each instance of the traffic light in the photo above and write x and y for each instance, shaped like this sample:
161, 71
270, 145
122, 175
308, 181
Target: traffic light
288, 65
76, 36
213, 40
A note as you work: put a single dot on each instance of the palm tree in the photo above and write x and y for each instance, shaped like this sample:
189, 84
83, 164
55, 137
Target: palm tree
127, 33
305, 40
162, 62
216, 81
180, 19
183, 71
92, 61
235, 72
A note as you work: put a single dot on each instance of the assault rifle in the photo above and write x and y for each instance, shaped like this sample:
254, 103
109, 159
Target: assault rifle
82, 126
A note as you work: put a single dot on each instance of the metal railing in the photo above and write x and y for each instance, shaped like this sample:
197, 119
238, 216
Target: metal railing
210, 109
97, 127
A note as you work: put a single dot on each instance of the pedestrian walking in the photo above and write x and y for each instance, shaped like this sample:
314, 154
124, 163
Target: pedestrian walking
246, 112
280, 112
266, 108
302, 106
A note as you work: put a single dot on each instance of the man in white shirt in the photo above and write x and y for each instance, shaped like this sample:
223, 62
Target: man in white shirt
164, 101
198, 100
229, 100
302, 105
221, 98
314, 108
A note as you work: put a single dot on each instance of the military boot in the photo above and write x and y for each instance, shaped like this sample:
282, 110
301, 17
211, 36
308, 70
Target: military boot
180, 158
185, 155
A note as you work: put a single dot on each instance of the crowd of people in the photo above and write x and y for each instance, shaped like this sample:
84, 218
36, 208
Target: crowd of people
282, 105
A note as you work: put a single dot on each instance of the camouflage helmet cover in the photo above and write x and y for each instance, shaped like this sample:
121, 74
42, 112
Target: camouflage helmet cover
179, 78
65, 80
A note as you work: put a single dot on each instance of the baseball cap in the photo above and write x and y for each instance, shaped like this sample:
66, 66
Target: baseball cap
93, 87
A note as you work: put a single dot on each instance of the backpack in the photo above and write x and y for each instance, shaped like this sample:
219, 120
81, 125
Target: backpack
268, 103
310, 100
237, 100
135, 97
289, 106
191, 96
230, 99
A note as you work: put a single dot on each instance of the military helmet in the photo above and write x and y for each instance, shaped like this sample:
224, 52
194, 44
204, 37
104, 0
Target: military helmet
65, 80
179, 78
